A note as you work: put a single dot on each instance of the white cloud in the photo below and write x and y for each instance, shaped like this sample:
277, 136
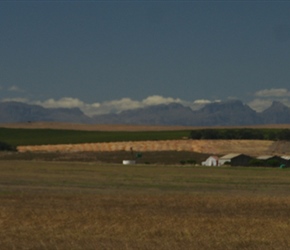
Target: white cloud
202, 101
69, 102
273, 93
65, 102
260, 104
267, 96
156, 100
198, 104
117, 106
114, 106
16, 99
15, 89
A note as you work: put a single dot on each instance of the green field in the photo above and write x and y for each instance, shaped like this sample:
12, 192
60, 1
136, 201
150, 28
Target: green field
18, 137
85, 205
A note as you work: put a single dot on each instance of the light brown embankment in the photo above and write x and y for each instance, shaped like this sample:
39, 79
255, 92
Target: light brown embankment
219, 147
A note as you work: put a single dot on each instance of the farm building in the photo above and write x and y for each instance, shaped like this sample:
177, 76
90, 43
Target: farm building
235, 160
286, 160
211, 161
273, 160
286, 157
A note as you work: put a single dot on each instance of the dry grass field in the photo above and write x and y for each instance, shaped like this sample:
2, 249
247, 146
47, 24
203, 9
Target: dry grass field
74, 205
216, 147
49, 202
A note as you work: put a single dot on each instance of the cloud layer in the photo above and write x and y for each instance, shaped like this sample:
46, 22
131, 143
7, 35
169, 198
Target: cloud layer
114, 106
262, 100
273, 93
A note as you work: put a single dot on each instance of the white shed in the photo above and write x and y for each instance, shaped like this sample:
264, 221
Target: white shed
211, 161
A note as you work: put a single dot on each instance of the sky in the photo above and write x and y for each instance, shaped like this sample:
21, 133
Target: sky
109, 56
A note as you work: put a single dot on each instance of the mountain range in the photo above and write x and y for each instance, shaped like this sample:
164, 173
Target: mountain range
228, 113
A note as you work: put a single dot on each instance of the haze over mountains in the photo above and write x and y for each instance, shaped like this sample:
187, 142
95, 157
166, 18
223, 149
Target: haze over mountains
228, 113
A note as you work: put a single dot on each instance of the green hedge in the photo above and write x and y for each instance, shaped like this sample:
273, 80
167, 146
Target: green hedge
241, 134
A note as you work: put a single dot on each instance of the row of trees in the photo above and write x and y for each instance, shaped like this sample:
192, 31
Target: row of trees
241, 134
7, 147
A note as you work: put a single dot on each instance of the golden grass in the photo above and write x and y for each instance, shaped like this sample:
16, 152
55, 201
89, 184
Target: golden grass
217, 147
128, 221
45, 205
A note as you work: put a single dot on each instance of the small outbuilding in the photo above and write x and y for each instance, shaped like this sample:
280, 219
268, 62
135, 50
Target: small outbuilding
235, 160
211, 161
286, 159
272, 160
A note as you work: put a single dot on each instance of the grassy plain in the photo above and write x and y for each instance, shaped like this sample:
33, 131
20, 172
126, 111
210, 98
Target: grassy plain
85, 205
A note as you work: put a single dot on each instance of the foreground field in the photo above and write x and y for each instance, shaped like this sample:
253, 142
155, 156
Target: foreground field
73, 205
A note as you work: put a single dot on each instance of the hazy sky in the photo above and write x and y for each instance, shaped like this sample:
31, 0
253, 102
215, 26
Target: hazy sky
111, 55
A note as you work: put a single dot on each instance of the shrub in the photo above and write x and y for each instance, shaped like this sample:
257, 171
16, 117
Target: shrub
7, 147
191, 161
256, 162
273, 163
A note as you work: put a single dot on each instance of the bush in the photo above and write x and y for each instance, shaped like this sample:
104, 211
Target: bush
241, 134
256, 162
273, 163
191, 161
7, 147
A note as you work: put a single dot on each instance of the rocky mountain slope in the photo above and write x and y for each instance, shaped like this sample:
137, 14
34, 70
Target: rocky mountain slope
230, 113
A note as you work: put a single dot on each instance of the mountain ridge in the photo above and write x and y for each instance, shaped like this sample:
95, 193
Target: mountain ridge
227, 113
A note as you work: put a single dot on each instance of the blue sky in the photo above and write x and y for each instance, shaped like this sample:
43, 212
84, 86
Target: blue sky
107, 56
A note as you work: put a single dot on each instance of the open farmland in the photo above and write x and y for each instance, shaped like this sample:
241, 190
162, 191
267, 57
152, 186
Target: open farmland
58, 137
73, 205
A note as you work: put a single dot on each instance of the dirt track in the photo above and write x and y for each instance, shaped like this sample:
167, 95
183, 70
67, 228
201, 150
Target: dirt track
100, 127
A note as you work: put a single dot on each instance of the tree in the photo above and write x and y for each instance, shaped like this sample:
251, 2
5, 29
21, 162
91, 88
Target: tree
7, 147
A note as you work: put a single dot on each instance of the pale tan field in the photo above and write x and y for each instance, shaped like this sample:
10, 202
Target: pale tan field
53, 205
74, 205
216, 147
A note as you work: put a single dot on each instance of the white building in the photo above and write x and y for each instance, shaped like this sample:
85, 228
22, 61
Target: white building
211, 161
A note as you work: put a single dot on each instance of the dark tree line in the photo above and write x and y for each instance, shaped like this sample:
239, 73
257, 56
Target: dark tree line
241, 134
7, 147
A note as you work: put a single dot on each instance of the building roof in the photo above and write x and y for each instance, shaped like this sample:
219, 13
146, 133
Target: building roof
265, 157
214, 156
229, 156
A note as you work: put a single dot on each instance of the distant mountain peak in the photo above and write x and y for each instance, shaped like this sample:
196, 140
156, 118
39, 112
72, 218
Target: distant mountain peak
226, 105
277, 113
11, 112
278, 105
228, 113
